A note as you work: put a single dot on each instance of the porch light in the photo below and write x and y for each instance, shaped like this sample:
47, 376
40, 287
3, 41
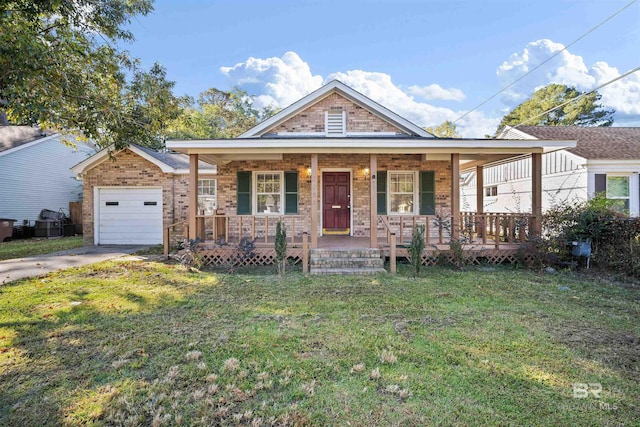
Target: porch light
308, 174
366, 173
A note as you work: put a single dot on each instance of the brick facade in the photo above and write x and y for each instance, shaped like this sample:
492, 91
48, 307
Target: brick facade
130, 170
312, 119
360, 195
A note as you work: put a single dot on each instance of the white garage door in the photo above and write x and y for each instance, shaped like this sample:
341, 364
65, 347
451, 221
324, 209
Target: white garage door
129, 216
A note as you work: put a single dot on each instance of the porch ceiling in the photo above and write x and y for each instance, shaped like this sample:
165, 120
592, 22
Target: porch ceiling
472, 152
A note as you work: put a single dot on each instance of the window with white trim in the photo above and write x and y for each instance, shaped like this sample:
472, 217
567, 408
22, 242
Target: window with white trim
207, 196
403, 192
618, 192
268, 194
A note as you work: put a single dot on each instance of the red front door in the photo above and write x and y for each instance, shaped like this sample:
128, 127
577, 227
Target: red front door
336, 202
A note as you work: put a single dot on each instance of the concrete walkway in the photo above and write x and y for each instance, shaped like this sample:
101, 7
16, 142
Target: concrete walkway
21, 268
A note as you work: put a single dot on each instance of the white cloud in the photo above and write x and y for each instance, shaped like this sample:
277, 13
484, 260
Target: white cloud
435, 91
278, 81
568, 69
282, 81
380, 88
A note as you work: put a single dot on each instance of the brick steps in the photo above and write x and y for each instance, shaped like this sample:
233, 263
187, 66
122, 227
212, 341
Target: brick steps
346, 261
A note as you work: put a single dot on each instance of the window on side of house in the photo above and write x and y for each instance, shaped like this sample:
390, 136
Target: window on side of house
207, 196
618, 192
491, 191
403, 192
268, 194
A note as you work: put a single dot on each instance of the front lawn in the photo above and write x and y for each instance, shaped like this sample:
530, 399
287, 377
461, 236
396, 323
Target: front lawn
30, 247
131, 343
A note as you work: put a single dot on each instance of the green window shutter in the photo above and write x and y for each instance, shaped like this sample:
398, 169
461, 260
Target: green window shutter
244, 193
291, 193
381, 179
601, 183
427, 193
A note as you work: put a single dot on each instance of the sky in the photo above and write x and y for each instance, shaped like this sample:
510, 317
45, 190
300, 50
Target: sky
427, 60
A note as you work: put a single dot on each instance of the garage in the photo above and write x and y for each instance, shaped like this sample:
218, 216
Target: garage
128, 215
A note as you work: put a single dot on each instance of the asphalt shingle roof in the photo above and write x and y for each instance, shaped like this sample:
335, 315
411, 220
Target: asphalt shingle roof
611, 143
15, 136
176, 160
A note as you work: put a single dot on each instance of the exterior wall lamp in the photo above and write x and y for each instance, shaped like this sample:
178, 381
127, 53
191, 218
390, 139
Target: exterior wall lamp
366, 173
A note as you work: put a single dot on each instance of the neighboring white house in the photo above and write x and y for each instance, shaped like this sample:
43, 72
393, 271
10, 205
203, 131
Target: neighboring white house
605, 159
34, 172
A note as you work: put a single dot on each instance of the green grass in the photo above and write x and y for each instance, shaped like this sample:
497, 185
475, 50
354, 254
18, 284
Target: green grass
131, 343
30, 247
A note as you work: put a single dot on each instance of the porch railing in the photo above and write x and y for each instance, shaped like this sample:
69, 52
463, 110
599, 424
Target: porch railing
261, 229
496, 228
486, 228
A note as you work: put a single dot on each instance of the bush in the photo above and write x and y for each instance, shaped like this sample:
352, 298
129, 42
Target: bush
615, 239
281, 247
416, 249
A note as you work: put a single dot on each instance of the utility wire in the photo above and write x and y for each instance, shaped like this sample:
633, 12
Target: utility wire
577, 97
543, 62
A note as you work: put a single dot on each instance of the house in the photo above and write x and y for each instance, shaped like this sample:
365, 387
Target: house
337, 166
604, 160
34, 171
132, 195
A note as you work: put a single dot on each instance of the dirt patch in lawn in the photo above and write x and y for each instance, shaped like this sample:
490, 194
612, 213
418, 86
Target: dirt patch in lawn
619, 350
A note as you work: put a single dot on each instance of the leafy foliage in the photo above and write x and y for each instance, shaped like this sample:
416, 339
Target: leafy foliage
61, 70
583, 112
416, 248
281, 247
218, 114
447, 129
615, 239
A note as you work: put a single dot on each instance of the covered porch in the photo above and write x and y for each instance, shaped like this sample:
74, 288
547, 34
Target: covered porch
488, 236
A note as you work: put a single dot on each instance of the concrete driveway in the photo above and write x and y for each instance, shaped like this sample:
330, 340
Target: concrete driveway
21, 268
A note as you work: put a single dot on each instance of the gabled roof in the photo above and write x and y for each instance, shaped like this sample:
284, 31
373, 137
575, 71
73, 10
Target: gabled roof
167, 162
15, 136
344, 90
593, 143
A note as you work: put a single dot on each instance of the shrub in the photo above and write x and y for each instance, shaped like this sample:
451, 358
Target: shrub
615, 239
189, 256
416, 249
281, 247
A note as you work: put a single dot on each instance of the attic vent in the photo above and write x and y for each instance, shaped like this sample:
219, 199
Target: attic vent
335, 123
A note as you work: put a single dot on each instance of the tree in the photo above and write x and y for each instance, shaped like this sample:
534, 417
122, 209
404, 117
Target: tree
150, 107
59, 69
218, 114
582, 112
447, 129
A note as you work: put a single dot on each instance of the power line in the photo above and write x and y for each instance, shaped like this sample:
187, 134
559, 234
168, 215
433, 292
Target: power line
577, 97
543, 62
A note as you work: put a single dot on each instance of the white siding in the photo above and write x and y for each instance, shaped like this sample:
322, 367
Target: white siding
37, 176
564, 179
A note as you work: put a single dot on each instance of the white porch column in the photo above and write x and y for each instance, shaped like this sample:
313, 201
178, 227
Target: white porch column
193, 196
